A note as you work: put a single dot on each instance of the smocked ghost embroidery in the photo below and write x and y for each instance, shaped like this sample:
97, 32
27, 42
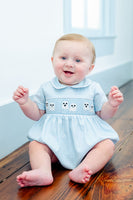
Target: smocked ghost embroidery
86, 106
92, 108
52, 106
65, 105
73, 107
46, 105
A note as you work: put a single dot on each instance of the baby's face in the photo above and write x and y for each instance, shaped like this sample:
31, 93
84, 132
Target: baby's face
71, 61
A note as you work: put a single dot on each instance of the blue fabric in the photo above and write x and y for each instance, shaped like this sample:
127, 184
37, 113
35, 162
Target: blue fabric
70, 126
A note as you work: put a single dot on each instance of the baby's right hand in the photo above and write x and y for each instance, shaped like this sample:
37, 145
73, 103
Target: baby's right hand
21, 95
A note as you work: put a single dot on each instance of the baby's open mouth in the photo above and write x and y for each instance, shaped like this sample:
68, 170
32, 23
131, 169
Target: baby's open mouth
68, 72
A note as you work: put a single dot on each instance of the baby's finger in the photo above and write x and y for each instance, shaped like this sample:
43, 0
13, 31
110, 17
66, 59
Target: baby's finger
20, 87
23, 90
19, 94
26, 90
114, 88
20, 91
120, 100
15, 97
118, 97
116, 92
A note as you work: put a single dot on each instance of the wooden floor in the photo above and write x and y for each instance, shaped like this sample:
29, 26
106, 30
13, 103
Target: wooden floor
114, 182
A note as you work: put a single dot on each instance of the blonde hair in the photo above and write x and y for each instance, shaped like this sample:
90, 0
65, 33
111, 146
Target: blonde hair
80, 38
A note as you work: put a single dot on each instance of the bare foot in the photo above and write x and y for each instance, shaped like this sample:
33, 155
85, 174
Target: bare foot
80, 174
34, 177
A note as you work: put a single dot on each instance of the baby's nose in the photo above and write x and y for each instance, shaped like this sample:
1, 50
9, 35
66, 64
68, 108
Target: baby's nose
69, 64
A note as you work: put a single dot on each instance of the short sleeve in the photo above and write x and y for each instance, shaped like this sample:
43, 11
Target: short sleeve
39, 99
99, 98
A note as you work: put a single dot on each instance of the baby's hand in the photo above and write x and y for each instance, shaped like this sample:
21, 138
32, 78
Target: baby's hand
115, 97
21, 95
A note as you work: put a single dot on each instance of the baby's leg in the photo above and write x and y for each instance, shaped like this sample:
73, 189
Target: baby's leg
95, 160
40, 160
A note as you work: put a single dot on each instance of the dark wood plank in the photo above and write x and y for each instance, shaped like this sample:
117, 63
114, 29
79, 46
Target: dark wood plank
116, 180
62, 188
13, 162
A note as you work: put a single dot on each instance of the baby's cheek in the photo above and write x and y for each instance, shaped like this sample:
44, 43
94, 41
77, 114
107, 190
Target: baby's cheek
82, 73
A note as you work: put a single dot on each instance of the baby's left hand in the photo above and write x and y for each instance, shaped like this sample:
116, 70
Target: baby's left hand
115, 97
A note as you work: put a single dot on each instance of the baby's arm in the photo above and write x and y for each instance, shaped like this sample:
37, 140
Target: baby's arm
30, 109
115, 98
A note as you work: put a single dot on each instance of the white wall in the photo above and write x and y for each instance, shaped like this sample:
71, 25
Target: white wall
28, 30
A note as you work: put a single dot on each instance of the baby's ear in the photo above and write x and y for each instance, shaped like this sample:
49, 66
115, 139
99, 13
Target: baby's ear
52, 58
91, 67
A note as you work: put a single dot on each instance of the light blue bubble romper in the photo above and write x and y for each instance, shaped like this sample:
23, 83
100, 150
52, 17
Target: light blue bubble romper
70, 126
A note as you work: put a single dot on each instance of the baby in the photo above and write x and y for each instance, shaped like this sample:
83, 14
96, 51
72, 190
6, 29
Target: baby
70, 111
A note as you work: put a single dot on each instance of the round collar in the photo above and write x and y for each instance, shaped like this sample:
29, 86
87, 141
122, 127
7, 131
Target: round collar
84, 83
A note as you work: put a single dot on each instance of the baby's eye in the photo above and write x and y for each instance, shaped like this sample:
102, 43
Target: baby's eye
78, 60
63, 58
